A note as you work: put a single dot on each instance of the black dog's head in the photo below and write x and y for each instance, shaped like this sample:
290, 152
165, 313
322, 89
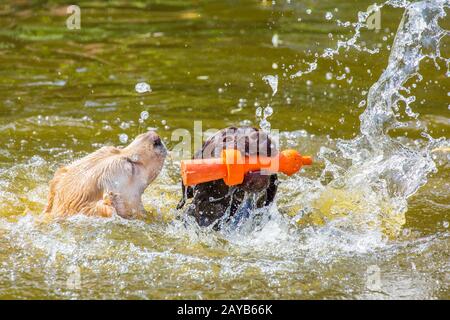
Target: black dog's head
212, 200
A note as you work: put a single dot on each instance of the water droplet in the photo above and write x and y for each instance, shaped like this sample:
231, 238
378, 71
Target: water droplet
275, 40
406, 232
142, 87
123, 138
242, 102
144, 115
268, 111
272, 81
124, 125
265, 125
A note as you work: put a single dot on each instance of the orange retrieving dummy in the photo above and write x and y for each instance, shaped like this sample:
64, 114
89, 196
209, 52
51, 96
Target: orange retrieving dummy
232, 167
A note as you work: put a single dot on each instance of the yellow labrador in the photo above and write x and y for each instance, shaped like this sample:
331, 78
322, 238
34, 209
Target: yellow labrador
108, 181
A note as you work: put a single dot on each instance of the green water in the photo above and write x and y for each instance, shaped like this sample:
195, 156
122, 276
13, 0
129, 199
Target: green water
64, 93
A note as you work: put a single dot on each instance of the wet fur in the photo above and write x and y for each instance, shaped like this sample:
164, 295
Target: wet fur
108, 181
212, 200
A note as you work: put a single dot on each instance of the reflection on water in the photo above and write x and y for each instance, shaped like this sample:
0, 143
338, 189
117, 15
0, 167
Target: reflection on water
356, 225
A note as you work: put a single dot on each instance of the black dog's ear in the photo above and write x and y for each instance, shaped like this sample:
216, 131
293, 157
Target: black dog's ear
187, 194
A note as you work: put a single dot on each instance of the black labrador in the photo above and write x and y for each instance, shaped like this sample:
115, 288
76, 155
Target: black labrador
215, 202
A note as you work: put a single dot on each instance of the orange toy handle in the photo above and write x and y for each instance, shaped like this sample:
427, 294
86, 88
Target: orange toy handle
232, 167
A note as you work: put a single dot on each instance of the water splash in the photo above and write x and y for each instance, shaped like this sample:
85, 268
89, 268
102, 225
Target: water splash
272, 81
379, 171
263, 114
418, 37
352, 42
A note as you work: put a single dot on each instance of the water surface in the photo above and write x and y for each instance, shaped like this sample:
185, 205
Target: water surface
65, 93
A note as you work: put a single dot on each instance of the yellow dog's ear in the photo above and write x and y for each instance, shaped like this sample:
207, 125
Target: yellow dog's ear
51, 194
